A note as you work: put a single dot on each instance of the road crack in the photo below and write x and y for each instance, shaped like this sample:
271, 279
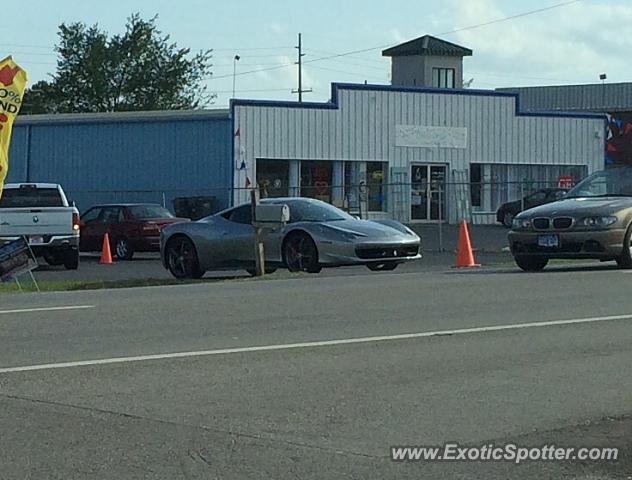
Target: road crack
233, 435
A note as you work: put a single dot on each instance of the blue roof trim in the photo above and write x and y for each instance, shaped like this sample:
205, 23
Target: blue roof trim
337, 87
281, 103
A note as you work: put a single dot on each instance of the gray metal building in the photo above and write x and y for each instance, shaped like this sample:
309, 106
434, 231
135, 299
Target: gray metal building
398, 143
126, 157
613, 99
597, 97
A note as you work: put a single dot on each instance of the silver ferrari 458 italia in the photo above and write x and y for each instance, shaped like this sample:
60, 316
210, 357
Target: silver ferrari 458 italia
318, 235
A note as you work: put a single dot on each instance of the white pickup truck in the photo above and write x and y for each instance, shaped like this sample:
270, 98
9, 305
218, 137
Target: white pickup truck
41, 213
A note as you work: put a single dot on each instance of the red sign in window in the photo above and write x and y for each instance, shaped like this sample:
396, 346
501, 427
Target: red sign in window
565, 181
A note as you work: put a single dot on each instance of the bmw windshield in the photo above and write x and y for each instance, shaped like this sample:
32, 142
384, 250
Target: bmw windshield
614, 182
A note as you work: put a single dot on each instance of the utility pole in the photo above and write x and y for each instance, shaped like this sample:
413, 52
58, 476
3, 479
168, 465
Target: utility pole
300, 90
235, 60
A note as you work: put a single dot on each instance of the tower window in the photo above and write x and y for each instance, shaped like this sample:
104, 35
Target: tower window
443, 77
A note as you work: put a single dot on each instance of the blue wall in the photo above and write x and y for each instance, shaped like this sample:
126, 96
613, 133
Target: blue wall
126, 161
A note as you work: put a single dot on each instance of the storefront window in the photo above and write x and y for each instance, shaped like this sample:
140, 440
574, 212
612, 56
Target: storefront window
272, 178
504, 182
316, 178
376, 185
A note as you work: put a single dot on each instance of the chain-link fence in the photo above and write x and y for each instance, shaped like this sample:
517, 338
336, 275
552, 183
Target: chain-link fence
419, 202
190, 203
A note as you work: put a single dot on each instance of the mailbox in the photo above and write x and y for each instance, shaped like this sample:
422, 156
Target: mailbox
272, 214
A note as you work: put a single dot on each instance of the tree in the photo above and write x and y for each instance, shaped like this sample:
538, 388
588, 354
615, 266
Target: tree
138, 70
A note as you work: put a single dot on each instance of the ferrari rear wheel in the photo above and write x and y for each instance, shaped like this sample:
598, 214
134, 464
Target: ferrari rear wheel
382, 267
301, 254
182, 259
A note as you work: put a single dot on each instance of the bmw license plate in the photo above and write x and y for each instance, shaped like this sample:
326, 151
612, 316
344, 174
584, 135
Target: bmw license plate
36, 239
549, 241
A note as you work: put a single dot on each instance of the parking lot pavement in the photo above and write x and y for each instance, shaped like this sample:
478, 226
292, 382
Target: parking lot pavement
316, 377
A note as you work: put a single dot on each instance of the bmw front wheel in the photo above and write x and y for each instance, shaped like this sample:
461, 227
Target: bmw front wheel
530, 263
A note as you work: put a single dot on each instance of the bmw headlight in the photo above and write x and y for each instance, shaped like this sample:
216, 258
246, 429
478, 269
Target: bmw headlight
521, 224
598, 222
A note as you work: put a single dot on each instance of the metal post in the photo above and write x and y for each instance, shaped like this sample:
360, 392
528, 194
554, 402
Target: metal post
259, 253
34, 281
164, 200
440, 220
522, 196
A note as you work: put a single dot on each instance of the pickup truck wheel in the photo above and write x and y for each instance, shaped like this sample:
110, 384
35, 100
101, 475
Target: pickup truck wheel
123, 249
54, 259
71, 259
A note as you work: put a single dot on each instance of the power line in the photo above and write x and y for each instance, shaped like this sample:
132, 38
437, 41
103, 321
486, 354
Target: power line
370, 60
471, 27
17, 45
495, 75
355, 74
233, 49
364, 50
288, 89
512, 17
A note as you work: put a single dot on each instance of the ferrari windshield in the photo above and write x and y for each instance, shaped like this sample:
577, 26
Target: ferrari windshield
614, 182
314, 211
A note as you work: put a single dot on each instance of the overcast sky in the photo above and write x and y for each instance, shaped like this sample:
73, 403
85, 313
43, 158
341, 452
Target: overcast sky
573, 43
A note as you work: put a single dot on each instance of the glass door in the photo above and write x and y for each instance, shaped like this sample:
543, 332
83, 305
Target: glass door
419, 192
437, 192
427, 192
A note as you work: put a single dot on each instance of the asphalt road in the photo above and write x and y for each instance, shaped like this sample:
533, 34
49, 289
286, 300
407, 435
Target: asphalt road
316, 377
148, 266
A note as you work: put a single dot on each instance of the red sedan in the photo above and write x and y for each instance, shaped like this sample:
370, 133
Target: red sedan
131, 228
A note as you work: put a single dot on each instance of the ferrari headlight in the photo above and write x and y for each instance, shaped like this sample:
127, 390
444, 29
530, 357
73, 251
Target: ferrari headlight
598, 222
521, 224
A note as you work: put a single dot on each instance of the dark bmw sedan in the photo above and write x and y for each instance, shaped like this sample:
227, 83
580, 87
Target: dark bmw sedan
594, 220
131, 228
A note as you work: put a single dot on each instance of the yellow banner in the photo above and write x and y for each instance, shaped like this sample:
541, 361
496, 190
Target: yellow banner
12, 84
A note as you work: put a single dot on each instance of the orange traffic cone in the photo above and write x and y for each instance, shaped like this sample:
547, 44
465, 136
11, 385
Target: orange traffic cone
106, 253
464, 253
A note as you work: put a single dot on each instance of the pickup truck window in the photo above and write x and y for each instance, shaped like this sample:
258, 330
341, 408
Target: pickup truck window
31, 198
